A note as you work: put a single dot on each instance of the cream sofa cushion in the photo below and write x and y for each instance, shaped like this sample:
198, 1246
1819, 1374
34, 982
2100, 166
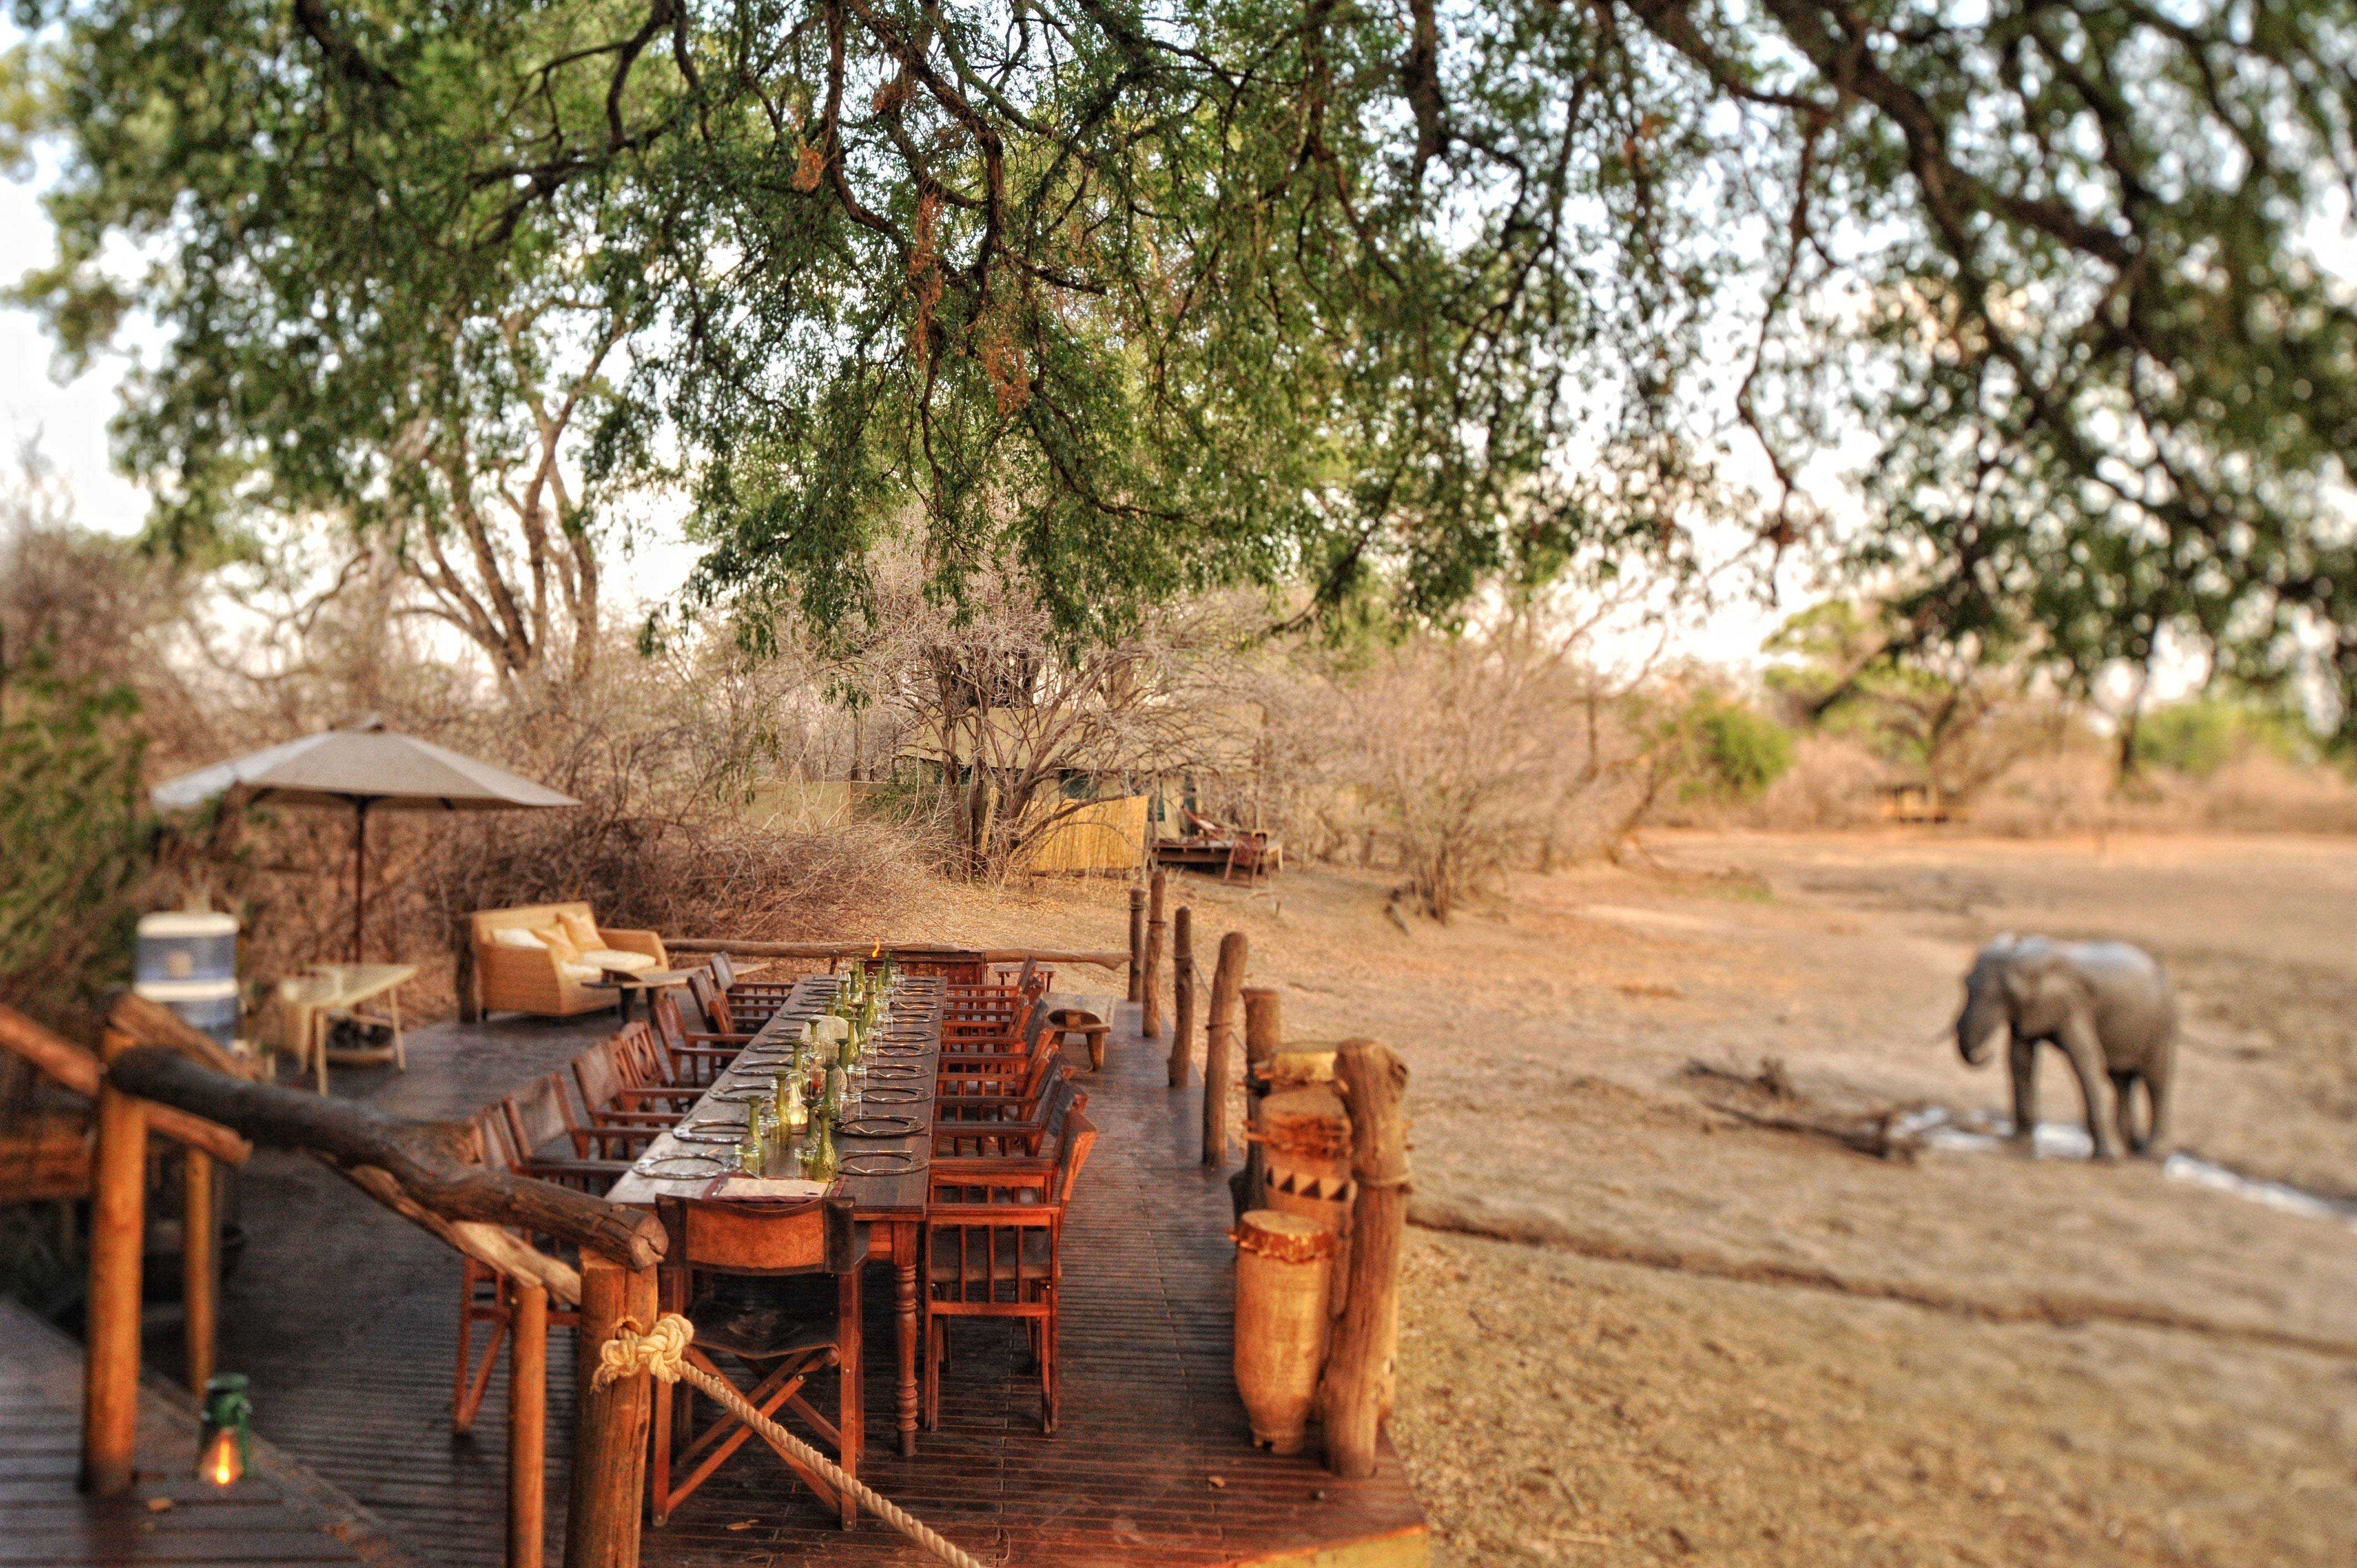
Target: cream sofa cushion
581, 973
553, 938
615, 957
517, 936
581, 929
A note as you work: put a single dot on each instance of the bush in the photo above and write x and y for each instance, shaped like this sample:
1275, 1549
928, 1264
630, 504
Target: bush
1738, 751
2201, 735
74, 836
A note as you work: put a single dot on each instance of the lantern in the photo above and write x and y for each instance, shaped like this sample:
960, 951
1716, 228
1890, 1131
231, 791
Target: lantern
221, 1438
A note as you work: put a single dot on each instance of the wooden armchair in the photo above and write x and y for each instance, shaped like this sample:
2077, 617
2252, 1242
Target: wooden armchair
993, 1247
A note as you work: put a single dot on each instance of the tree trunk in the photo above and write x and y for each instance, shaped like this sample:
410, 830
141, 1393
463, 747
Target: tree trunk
1356, 1394
609, 1439
1219, 1047
1182, 985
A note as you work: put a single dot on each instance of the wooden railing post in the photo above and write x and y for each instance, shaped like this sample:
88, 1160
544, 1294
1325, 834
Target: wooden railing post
200, 1265
1182, 990
1264, 1032
118, 1221
1219, 1047
609, 1438
1157, 933
1356, 1393
528, 1427
1137, 944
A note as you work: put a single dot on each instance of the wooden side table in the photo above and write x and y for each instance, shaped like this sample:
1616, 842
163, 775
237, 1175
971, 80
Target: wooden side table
626, 983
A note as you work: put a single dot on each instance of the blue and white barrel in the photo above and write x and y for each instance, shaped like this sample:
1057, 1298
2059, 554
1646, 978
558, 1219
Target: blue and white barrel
188, 961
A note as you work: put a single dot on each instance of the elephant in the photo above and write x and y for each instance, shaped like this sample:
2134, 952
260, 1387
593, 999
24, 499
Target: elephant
2106, 1004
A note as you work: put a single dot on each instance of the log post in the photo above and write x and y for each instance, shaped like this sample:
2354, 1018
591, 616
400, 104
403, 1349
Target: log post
1358, 1381
1137, 944
199, 1266
1218, 1043
464, 979
1182, 992
609, 1438
118, 1222
528, 1428
1264, 1032
1158, 931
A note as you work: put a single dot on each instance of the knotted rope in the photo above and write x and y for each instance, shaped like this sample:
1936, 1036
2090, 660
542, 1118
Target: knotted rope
663, 1352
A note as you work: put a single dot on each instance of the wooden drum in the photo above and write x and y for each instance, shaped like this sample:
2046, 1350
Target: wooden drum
1306, 1135
1284, 1269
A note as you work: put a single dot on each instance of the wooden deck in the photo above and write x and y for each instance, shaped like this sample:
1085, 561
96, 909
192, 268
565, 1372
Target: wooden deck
277, 1515
343, 1317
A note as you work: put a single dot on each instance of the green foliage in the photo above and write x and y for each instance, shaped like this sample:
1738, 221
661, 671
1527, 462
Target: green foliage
2201, 734
1734, 751
1138, 299
74, 835
1956, 711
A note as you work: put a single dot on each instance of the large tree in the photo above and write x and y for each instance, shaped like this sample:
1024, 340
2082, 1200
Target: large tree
1133, 298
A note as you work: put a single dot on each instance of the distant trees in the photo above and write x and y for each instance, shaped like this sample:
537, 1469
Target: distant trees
1959, 711
980, 687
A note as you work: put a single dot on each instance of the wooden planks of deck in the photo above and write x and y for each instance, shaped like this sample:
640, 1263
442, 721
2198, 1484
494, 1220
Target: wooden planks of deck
277, 1515
343, 1317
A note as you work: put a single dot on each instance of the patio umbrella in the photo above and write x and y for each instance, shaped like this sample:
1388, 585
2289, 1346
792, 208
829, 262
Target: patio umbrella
365, 766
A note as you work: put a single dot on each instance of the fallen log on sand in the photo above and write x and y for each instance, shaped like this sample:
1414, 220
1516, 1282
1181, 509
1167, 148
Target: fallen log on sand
1475, 1214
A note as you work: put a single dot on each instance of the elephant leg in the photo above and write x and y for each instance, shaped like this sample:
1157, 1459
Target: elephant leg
2022, 1062
2155, 1090
2087, 1063
2124, 1111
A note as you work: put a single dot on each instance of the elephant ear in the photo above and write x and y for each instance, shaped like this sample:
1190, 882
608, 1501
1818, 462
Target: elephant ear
2030, 970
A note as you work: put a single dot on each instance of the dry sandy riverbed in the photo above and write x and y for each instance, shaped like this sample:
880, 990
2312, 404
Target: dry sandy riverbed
1721, 1343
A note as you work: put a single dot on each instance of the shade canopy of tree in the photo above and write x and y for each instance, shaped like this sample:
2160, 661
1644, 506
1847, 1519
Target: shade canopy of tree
1135, 297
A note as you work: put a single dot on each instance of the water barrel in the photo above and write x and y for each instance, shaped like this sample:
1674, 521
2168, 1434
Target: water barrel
188, 961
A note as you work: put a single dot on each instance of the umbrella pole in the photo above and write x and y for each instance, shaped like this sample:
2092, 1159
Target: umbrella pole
360, 871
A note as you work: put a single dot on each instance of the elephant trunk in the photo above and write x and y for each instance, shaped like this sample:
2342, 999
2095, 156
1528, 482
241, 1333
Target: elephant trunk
1977, 1026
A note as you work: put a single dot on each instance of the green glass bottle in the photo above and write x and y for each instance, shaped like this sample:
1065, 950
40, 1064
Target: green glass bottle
823, 1163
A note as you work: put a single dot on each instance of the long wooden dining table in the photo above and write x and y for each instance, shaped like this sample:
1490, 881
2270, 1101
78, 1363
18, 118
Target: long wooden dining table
886, 1179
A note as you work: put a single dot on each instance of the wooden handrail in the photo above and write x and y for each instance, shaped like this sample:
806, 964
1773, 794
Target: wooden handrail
149, 1023
749, 947
419, 1168
76, 1067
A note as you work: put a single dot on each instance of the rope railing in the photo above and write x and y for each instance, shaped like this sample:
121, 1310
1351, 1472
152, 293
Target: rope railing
662, 1352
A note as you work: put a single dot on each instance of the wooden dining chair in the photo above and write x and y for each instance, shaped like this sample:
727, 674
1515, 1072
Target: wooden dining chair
695, 1057
610, 1099
994, 1248
996, 1126
749, 987
995, 1065
727, 1023
555, 1146
981, 1001
782, 1335
485, 1296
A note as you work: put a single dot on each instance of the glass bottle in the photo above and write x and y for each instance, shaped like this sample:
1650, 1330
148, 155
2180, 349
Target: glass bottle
823, 1163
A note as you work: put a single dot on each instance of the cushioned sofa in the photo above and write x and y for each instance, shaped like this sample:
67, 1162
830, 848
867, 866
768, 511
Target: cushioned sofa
535, 959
